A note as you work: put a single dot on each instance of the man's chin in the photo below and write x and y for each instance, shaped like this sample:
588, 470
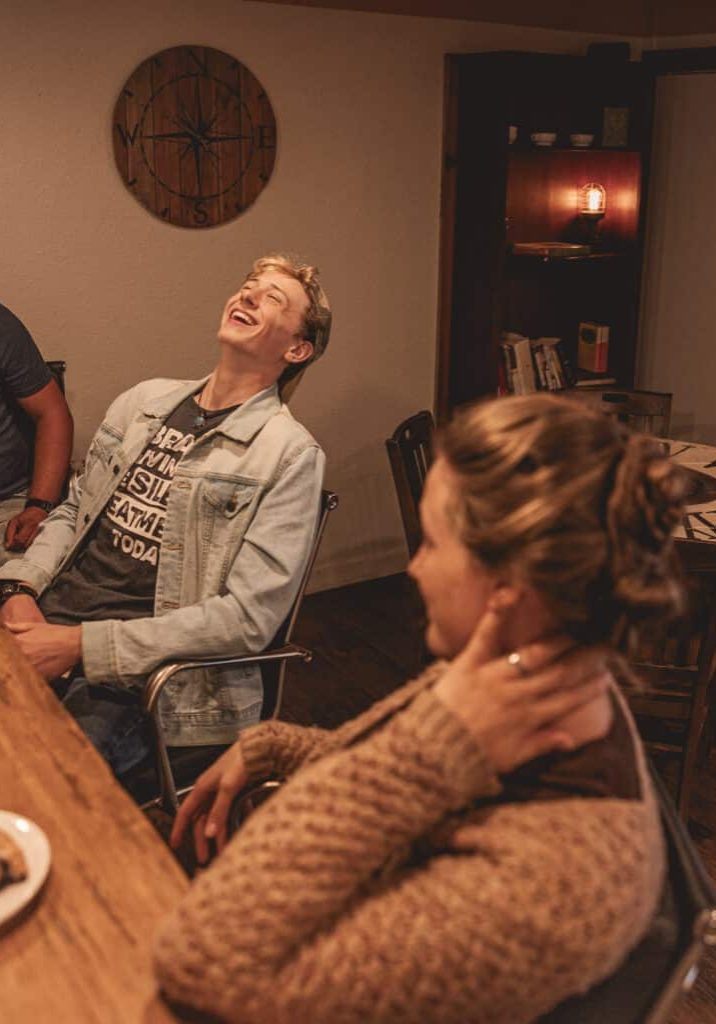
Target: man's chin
236, 335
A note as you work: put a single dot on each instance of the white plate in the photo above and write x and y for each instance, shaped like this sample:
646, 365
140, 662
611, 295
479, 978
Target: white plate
36, 849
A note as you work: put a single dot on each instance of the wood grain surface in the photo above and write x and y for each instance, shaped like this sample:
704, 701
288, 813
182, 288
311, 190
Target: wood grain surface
82, 952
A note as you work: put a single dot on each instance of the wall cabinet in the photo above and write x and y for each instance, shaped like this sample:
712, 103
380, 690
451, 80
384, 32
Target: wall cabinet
501, 190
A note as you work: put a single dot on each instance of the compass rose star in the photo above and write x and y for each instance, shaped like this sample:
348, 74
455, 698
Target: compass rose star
196, 136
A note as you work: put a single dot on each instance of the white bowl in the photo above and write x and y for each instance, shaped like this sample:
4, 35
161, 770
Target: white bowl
582, 140
544, 138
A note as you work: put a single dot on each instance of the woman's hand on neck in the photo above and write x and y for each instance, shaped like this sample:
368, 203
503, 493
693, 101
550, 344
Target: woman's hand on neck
527, 620
553, 698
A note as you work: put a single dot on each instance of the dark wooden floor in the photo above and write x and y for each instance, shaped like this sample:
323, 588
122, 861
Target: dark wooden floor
367, 641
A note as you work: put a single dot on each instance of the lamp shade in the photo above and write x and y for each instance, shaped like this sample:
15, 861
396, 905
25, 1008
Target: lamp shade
592, 200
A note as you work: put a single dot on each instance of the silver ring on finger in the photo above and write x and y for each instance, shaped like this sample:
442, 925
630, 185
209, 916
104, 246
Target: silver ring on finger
514, 659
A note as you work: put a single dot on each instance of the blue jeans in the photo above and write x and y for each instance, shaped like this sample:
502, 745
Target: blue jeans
113, 720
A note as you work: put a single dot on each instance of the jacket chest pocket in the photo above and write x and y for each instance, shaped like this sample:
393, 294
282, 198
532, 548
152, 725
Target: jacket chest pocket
104, 447
226, 508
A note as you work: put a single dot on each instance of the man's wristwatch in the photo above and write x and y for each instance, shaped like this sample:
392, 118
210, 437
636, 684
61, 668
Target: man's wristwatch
11, 588
46, 506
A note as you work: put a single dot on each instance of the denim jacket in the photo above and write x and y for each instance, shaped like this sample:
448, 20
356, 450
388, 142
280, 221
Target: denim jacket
240, 521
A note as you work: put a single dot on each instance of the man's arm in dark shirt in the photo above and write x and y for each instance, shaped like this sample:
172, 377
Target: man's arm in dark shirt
53, 447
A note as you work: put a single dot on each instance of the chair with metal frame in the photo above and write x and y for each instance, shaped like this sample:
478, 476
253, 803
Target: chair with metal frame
272, 661
410, 450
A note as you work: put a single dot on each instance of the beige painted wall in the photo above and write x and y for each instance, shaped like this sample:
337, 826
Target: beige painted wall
122, 296
677, 349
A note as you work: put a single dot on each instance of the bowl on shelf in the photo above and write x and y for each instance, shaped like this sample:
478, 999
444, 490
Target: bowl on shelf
581, 140
544, 138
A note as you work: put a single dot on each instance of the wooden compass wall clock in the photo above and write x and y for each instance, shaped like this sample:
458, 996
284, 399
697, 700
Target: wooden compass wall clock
194, 136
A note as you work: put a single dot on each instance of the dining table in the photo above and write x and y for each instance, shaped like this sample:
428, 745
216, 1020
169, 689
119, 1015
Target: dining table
696, 533
81, 950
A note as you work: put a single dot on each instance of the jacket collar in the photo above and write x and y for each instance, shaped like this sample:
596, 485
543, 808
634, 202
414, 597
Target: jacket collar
240, 425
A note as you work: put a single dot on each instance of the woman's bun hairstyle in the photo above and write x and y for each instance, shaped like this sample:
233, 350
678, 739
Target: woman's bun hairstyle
644, 507
570, 502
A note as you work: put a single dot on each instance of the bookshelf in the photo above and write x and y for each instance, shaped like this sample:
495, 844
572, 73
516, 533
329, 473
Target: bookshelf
501, 192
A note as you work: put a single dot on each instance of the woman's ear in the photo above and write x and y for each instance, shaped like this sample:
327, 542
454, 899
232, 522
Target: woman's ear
505, 596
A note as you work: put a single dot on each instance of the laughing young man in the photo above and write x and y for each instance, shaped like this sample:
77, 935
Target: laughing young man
187, 532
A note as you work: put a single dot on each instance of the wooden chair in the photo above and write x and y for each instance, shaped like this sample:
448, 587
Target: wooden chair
410, 450
648, 412
177, 774
677, 669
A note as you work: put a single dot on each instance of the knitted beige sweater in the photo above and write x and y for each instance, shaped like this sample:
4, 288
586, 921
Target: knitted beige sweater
395, 879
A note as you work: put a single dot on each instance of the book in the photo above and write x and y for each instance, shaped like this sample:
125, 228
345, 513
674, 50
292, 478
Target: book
518, 360
553, 369
555, 366
540, 362
593, 347
533, 364
567, 368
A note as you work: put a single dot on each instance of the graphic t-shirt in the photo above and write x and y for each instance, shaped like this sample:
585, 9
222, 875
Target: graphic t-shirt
115, 573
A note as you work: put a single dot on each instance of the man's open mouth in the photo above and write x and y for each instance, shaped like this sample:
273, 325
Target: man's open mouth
240, 316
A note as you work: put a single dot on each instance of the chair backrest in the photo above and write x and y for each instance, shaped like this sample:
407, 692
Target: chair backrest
57, 368
273, 673
410, 450
648, 412
646, 987
676, 667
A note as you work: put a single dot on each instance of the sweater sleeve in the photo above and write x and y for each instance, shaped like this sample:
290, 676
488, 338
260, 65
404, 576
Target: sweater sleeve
292, 876
308, 916
279, 748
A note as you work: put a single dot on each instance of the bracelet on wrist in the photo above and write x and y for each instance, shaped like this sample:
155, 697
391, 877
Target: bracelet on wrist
46, 506
12, 588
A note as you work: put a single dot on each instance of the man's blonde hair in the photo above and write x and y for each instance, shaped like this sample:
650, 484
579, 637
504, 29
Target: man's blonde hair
316, 326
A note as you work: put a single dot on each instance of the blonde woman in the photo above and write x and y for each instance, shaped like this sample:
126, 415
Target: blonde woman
483, 843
